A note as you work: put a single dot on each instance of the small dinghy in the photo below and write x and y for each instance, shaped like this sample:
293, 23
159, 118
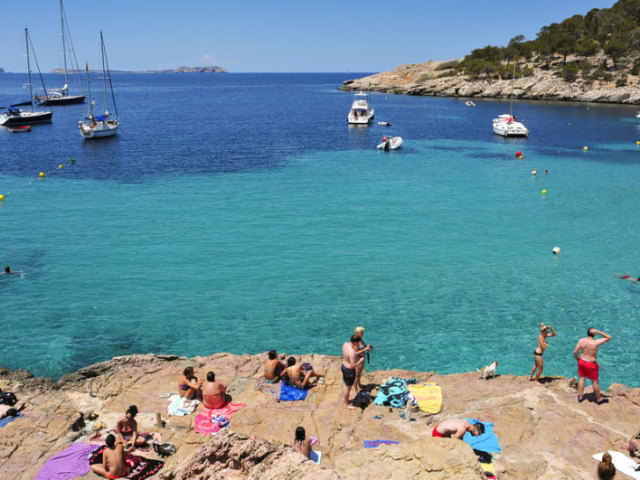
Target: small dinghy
469, 103
23, 128
384, 124
393, 143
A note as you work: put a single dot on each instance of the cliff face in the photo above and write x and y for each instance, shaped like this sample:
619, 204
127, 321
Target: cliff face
421, 79
543, 431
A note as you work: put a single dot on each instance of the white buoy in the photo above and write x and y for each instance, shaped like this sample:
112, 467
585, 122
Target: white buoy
556, 250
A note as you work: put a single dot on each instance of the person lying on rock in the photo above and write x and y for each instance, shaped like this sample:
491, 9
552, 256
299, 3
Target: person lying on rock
213, 393
273, 368
127, 429
633, 446
301, 443
114, 460
8, 411
298, 376
456, 428
190, 385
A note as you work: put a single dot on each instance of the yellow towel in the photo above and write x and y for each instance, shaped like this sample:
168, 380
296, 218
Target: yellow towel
428, 396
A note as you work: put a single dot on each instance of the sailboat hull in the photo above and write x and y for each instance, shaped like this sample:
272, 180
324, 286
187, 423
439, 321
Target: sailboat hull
64, 100
99, 130
25, 118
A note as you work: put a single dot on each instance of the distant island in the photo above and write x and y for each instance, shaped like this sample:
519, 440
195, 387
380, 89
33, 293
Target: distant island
1, 70
175, 70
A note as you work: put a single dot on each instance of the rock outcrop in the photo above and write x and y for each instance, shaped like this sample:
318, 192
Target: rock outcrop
423, 79
544, 432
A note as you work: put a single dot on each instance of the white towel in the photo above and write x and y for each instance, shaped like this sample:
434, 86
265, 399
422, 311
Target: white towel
622, 463
180, 406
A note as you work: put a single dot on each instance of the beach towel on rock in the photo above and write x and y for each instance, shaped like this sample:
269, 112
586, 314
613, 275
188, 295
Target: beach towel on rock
69, 463
264, 386
487, 442
142, 467
315, 456
291, 394
622, 463
211, 420
176, 406
394, 392
377, 443
7, 420
428, 396
142, 450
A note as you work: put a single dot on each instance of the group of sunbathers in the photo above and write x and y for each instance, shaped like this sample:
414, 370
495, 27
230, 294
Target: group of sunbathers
293, 374
211, 393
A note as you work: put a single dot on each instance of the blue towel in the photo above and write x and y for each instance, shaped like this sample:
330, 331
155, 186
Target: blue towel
377, 443
487, 442
291, 394
394, 392
7, 420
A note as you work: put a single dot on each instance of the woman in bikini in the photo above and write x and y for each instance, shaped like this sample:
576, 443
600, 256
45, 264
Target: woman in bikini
301, 443
273, 368
546, 331
190, 385
127, 429
213, 393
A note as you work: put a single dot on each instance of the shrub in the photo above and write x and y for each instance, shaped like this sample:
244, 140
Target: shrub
449, 73
621, 81
570, 71
448, 65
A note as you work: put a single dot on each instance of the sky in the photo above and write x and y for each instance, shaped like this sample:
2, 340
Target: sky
272, 36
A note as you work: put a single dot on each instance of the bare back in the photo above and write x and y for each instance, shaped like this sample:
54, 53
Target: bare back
213, 394
453, 428
114, 460
589, 348
348, 356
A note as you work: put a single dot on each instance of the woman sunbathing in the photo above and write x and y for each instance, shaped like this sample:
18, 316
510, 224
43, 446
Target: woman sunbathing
301, 443
190, 385
127, 429
273, 367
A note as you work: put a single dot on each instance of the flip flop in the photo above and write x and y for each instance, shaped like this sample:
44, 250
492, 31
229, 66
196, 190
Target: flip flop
603, 400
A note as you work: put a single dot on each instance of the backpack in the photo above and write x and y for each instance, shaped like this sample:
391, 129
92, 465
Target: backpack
362, 399
164, 449
8, 398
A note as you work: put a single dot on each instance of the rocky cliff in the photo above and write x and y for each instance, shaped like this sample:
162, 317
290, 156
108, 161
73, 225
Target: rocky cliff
426, 79
543, 430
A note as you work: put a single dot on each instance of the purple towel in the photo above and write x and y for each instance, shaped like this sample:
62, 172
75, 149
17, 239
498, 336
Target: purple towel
69, 463
377, 443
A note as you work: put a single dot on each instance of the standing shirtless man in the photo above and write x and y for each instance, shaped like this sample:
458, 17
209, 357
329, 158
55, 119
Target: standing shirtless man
350, 363
588, 361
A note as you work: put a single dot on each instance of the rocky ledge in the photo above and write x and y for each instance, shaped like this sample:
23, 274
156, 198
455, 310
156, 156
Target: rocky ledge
423, 79
544, 432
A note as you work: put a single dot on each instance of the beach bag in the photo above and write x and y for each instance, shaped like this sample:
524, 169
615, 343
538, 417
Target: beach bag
165, 448
362, 400
8, 398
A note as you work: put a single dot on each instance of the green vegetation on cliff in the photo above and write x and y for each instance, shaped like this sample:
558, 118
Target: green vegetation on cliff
601, 45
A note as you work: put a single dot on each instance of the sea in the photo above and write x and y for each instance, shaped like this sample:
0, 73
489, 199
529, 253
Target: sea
240, 213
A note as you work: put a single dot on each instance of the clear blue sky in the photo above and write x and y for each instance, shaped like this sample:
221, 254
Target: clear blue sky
273, 36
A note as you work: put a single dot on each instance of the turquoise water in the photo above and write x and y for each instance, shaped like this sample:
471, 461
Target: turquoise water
443, 250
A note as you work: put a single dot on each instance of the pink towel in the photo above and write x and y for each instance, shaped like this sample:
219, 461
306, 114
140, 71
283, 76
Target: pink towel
207, 426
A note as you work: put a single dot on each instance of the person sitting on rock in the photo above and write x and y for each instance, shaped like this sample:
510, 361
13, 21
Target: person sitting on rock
190, 386
633, 446
606, 468
298, 376
301, 443
114, 460
273, 367
127, 429
456, 428
213, 393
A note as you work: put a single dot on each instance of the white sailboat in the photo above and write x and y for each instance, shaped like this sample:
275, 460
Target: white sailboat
507, 124
14, 117
62, 96
104, 125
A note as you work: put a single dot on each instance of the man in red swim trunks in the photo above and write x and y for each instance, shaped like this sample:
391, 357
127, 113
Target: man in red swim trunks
456, 428
588, 361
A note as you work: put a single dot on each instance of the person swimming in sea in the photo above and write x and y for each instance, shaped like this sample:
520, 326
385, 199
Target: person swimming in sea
8, 271
627, 277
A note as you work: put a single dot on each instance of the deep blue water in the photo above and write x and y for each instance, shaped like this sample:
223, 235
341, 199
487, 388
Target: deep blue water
240, 213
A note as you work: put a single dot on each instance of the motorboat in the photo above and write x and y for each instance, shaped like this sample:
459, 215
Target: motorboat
63, 96
469, 103
13, 117
106, 124
384, 124
361, 112
393, 143
24, 128
507, 125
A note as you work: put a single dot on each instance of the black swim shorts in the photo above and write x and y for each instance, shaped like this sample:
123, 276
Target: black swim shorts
348, 375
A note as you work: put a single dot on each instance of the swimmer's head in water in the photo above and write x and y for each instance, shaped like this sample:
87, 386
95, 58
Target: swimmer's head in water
7, 269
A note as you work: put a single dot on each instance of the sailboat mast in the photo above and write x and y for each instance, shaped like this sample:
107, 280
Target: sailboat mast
104, 75
64, 46
89, 89
26, 39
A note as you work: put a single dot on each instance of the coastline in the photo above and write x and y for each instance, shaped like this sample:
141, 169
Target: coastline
543, 431
423, 79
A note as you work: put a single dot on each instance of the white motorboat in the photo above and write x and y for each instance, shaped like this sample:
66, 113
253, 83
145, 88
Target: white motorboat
393, 143
384, 124
361, 112
508, 126
100, 126
469, 103
13, 117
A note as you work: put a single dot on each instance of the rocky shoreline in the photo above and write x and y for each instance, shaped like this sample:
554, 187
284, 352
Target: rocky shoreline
544, 432
423, 79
